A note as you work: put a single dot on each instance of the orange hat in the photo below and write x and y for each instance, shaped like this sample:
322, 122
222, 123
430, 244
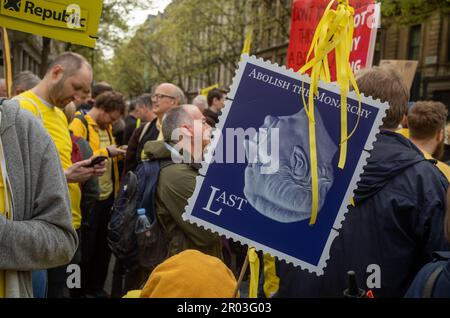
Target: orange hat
190, 274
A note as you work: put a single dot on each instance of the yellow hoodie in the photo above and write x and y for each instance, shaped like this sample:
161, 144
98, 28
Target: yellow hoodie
189, 274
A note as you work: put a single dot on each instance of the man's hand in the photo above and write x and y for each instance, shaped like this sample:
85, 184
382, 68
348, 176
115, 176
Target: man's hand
115, 151
79, 172
100, 169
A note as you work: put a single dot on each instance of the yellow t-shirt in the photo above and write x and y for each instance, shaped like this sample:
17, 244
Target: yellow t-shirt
105, 181
2, 211
56, 124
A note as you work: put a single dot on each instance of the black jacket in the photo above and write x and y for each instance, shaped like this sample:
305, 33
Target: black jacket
212, 118
130, 127
135, 147
396, 225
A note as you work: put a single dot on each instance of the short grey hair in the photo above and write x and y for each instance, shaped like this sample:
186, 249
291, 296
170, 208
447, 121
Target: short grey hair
145, 100
179, 95
172, 120
24, 81
201, 102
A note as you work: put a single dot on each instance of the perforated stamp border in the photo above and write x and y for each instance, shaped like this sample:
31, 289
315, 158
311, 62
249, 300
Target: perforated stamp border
334, 231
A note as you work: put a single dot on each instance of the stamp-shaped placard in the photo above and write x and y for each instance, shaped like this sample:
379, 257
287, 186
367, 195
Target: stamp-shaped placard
255, 182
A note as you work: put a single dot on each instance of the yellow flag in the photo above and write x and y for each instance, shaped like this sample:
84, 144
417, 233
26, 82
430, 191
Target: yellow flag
206, 90
74, 21
247, 43
7, 70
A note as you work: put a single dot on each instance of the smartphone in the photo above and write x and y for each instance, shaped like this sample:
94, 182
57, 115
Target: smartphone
96, 160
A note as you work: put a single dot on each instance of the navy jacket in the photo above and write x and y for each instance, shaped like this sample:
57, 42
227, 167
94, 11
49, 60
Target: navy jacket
441, 288
390, 234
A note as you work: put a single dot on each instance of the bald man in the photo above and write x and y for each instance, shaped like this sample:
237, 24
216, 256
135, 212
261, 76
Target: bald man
182, 127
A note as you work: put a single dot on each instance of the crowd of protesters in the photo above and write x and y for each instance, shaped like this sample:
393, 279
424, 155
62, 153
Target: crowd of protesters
66, 144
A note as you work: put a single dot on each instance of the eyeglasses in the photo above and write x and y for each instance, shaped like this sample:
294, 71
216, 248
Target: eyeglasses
160, 96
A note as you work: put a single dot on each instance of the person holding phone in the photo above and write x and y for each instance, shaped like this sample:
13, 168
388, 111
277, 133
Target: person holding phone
96, 128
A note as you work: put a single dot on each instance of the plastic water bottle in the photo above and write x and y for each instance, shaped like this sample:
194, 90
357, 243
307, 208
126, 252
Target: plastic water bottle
142, 224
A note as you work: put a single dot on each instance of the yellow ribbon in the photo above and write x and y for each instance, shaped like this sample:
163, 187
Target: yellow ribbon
247, 43
334, 32
271, 279
205, 91
253, 260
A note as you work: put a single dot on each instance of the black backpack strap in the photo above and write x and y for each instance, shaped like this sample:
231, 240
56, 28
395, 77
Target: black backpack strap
441, 255
85, 123
431, 281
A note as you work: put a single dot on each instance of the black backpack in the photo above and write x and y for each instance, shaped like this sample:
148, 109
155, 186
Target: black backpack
138, 190
431, 281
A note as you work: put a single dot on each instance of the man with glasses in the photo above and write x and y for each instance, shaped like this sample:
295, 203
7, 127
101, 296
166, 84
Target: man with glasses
165, 97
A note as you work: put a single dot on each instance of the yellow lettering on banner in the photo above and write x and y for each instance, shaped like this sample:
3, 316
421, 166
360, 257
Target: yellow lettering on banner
334, 32
73, 21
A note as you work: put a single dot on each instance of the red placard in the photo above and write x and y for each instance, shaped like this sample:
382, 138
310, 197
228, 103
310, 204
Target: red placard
306, 15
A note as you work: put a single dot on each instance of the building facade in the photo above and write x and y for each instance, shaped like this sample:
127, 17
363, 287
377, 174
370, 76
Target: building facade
428, 43
26, 50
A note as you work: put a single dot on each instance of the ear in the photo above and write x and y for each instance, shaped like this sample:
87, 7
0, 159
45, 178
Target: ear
441, 135
186, 130
57, 71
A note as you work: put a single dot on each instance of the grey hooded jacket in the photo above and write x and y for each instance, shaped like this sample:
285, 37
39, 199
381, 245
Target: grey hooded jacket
40, 235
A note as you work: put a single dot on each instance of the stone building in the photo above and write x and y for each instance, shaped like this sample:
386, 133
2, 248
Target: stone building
428, 43
26, 52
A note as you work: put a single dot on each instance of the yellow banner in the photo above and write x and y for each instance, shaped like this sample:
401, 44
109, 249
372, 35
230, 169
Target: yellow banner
74, 21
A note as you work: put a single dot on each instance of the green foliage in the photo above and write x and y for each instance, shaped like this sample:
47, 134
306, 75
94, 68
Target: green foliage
194, 38
412, 11
189, 42
112, 27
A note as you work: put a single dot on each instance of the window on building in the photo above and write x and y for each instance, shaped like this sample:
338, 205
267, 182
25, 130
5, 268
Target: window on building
268, 38
448, 43
377, 53
281, 58
414, 42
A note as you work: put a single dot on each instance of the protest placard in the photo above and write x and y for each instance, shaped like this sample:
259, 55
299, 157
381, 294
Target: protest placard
255, 183
74, 21
306, 15
406, 68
